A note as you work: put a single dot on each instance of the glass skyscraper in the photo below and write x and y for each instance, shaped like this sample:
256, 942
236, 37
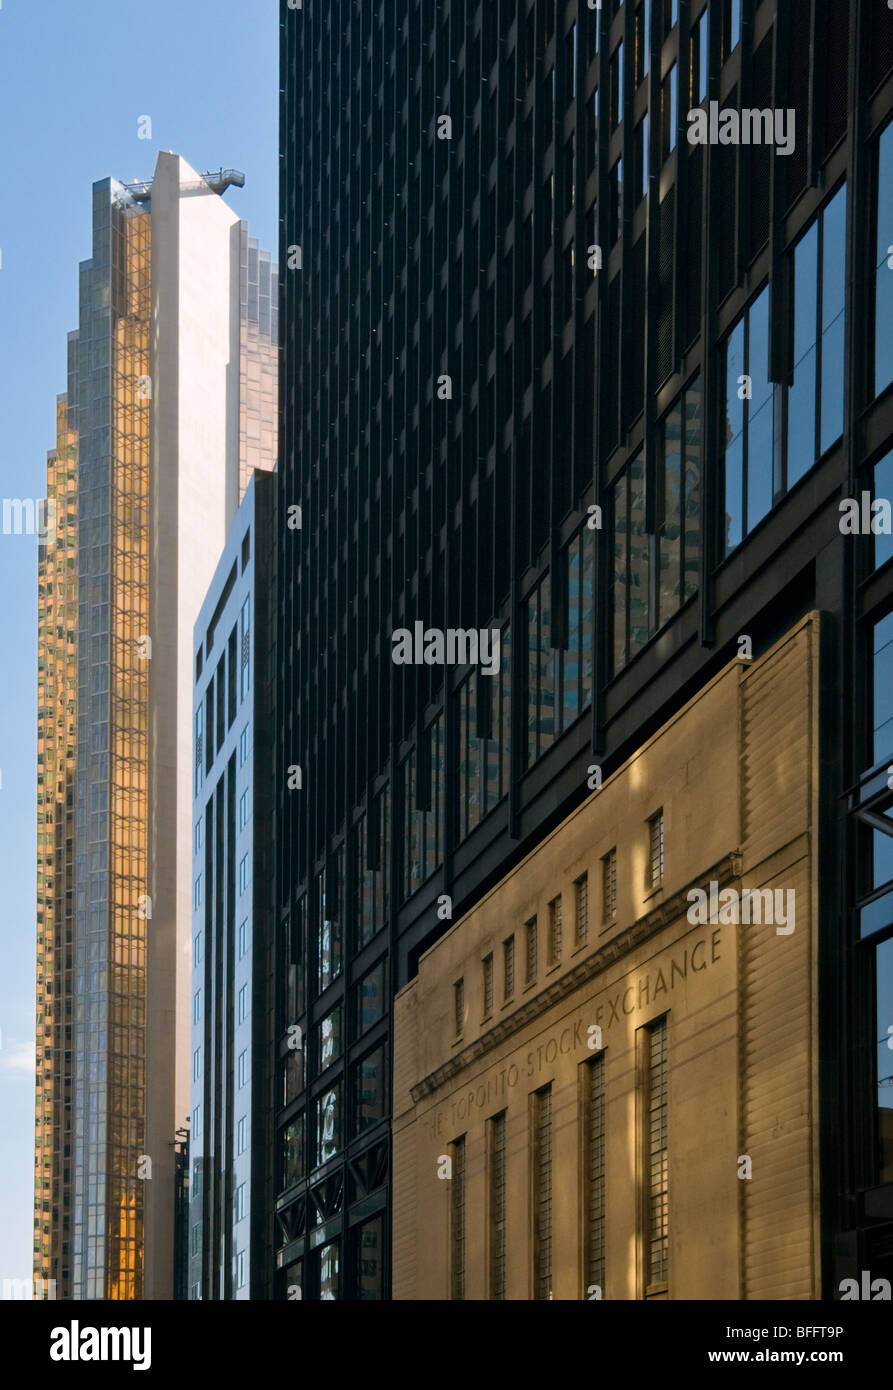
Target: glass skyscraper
161, 432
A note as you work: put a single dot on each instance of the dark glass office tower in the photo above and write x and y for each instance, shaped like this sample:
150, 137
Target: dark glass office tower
552, 367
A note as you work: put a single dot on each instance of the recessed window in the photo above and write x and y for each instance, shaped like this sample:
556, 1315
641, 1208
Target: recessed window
197, 892
242, 1004
243, 938
459, 1005
242, 1135
581, 909
487, 985
609, 886
530, 951
242, 1068
197, 1006
656, 848
508, 966
196, 1064
555, 931
243, 810
243, 874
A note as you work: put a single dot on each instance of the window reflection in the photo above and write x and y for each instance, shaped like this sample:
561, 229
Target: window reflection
328, 1124
329, 1273
370, 997
883, 688
292, 1152
369, 1272
369, 1083
884, 1036
883, 294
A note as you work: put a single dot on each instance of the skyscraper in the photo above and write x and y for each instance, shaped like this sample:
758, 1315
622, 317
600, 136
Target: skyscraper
155, 407
556, 369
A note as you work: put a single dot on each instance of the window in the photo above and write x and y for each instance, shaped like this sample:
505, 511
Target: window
245, 649
487, 985
594, 1175
678, 504
883, 276
242, 1068
542, 1193
240, 1205
196, 1123
241, 1135
671, 15
730, 11
655, 848
656, 1244
196, 1238
459, 1005
329, 1273
243, 810
581, 909
882, 722
197, 1006
632, 567
369, 1270
198, 751
328, 1124
424, 775
328, 1039
508, 967
197, 892
615, 202
484, 722
369, 1089
243, 745
197, 949
530, 933
292, 1152
609, 886
640, 174
371, 997
243, 874
197, 837
243, 1004
243, 938
668, 112
697, 64
330, 940
496, 1164
884, 1071
815, 400
616, 87
555, 931
641, 39
196, 1064
457, 1220
750, 423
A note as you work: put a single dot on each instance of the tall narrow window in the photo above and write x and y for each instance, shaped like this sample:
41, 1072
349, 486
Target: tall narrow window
609, 886
542, 1193
594, 1176
508, 963
697, 64
555, 930
678, 504
883, 286
530, 972
487, 983
632, 565
656, 1245
581, 909
457, 1221
497, 1205
749, 428
655, 849
459, 1005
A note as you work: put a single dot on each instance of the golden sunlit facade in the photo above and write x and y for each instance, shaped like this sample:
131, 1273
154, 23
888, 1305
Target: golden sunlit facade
129, 908
57, 612
605, 1075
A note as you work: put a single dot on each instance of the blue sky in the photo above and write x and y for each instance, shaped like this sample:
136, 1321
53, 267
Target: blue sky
74, 81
